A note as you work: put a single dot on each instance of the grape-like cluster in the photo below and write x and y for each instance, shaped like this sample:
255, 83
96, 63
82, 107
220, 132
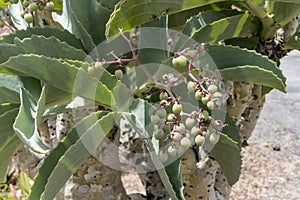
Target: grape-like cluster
178, 130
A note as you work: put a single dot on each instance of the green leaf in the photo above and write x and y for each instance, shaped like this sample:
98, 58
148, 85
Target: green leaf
235, 56
293, 42
139, 118
241, 25
284, 11
18, 21
9, 141
29, 118
70, 154
253, 74
61, 75
7, 106
132, 13
8, 96
227, 154
62, 35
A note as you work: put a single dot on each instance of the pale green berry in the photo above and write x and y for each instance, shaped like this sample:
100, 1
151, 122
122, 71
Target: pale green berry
163, 156
98, 65
198, 95
163, 102
155, 119
179, 61
212, 89
172, 151
210, 105
14, 1
163, 96
217, 95
204, 115
195, 131
218, 124
162, 113
180, 128
32, 7
23, 12
176, 136
185, 142
190, 122
28, 17
171, 117
166, 127
205, 99
199, 140
159, 134
177, 108
214, 138
50, 6
118, 74
191, 86
25, 3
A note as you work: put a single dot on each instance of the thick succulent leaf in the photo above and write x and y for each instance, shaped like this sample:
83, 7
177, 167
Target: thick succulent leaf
293, 42
132, 13
50, 47
18, 21
8, 96
62, 35
241, 25
61, 75
253, 74
9, 141
139, 118
29, 117
284, 10
248, 43
7, 107
236, 56
70, 154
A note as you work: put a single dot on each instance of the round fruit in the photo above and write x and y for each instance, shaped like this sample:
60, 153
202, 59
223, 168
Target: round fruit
23, 12
214, 138
90, 69
176, 136
14, 1
191, 86
172, 151
28, 17
204, 115
190, 122
33, 7
180, 128
205, 100
98, 65
159, 134
25, 3
179, 61
163, 102
198, 95
206, 133
155, 119
118, 74
162, 113
210, 105
177, 108
163, 156
212, 89
185, 142
195, 131
171, 117
50, 5
199, 140
162, 96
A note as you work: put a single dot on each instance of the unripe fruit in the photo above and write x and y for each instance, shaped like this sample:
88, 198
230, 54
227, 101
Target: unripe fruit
180, 128
206, 133
195, 131
205, 100
179, 61
155, 119
50, 6
172, 151
118, 74
199, 140
212, 89
214, 138
198, 95
23, 12
162, 113
210, 105
28, 17
176, 136
90, 69
177, 108
191, 86
185, 142
204, 115
162, 96
98, 65
171, 117
25, 3
159, 134
163, 102
14, 1
32, 7
163, 156
190, 122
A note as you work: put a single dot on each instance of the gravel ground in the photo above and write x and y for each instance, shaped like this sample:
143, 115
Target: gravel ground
271, 162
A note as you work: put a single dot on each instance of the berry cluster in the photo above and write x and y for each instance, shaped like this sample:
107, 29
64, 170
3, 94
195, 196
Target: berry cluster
99, 65
30, 6
178, 130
